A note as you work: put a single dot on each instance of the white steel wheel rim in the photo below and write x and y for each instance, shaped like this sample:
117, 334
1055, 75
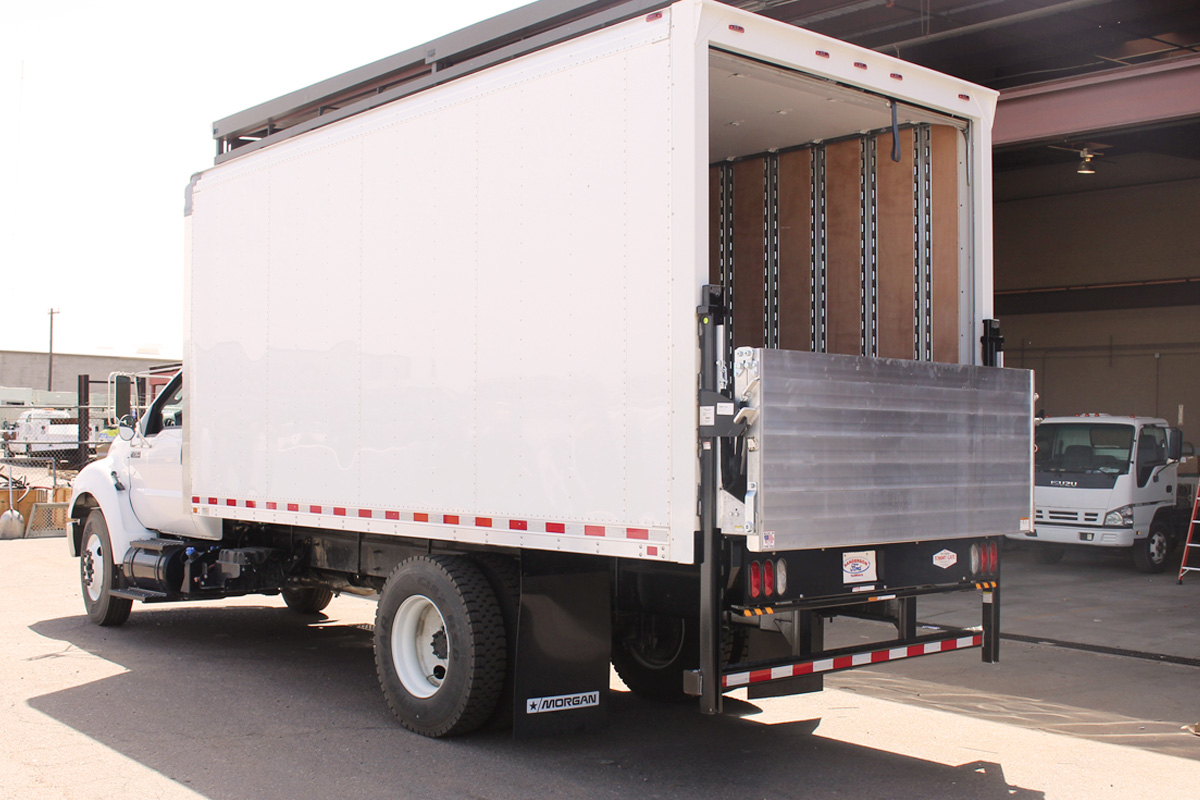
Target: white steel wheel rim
420, 647
1158, 547
93, 568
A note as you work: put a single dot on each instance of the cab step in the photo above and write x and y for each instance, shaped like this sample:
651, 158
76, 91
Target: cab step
144, 595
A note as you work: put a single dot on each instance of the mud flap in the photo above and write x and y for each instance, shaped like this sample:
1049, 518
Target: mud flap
564, 638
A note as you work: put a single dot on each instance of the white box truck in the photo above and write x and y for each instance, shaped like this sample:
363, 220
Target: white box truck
1110, 482
638, 332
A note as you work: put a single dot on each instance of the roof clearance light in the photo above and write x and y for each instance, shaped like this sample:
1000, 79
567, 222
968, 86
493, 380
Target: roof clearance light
823, 53
860, 65
737, 29
897, 76
964, 97
656, 15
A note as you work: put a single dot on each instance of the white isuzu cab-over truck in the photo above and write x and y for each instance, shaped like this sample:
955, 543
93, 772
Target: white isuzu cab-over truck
1105, 481
632, 332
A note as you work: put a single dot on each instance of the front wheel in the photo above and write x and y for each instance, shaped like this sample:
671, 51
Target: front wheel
1150, 554
98, 575
440, 645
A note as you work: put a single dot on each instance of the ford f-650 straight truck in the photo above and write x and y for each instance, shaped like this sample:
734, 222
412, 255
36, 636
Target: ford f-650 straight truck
636, 332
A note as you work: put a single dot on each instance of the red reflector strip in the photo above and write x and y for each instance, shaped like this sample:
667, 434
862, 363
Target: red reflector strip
849, 661
614, 534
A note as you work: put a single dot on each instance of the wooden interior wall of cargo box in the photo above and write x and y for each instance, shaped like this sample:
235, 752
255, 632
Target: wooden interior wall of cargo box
847, 247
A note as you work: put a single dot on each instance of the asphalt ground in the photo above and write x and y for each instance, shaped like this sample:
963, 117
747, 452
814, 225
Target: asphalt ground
243, 699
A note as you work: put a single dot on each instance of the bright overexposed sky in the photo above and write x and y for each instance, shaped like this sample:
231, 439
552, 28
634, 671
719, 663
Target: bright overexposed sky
106, 110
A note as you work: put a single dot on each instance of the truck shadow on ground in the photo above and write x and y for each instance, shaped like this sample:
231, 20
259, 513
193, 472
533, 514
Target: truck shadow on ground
252, 701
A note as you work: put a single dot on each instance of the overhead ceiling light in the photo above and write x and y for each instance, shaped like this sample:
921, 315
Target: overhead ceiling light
1086, 167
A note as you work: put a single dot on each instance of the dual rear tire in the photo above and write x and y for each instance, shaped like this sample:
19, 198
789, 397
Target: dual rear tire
440, 645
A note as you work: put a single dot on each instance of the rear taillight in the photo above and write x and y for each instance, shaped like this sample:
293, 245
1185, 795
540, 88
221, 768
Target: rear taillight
755, 579
993, 557
768, 578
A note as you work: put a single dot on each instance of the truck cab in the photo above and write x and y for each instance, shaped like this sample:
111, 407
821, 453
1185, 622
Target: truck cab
1106, 481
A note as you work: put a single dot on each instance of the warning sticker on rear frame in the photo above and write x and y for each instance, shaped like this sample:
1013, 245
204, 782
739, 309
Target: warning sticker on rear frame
858, 567
563, 702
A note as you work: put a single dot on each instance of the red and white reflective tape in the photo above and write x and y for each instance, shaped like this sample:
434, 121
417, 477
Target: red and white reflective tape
455, 520
846, 662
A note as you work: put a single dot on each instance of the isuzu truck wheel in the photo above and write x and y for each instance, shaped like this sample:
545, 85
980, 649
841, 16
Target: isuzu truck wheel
98, 575
307, 599
1150, 554
439, 645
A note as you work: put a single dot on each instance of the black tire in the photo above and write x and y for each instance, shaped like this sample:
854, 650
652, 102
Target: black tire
307, 599
504, 576
1049, 553
651, 654
439, 645
1152, 553
98, 575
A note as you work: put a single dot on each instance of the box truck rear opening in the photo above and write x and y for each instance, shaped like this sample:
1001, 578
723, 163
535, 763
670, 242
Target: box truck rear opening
632, 332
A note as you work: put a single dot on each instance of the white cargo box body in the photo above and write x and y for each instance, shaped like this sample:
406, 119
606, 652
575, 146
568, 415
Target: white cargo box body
469, 314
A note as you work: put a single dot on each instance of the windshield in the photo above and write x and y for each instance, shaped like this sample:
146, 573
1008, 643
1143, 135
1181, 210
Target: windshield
1084, 448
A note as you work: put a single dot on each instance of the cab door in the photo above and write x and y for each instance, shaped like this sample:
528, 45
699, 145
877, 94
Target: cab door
156, 466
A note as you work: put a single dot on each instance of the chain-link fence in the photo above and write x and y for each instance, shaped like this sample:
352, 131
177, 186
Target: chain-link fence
33, 498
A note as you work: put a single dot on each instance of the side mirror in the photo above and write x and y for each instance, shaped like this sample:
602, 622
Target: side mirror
122, 402
126, 427
1174, 444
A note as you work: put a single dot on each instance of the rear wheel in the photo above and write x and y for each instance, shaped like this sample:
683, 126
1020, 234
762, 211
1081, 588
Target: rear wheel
307, 599
98, 575
652, 651
1150, 554
439, 645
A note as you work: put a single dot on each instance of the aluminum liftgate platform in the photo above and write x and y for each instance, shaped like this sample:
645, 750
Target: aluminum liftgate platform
858, 452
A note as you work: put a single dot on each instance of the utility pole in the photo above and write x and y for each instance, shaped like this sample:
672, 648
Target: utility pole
50, 364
